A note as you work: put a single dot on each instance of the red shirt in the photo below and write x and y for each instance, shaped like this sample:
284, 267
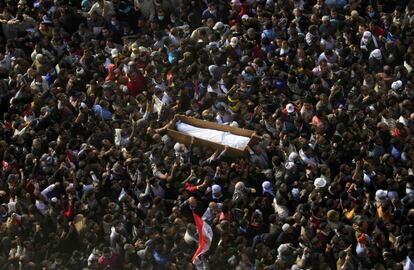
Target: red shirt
113, 261
135, 85
378, 31
69, 212
258, 52
190, 188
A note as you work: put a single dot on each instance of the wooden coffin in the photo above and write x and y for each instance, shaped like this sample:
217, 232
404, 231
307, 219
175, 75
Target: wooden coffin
186, 139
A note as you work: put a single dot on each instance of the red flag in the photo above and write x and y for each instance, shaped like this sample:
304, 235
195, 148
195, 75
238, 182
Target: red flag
205, 235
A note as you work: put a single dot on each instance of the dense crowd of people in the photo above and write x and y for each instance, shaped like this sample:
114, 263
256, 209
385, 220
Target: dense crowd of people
91, 180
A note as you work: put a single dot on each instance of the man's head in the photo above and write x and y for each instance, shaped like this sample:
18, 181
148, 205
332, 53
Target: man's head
106, 252
297, 12
192, 201
212, 7
325, 20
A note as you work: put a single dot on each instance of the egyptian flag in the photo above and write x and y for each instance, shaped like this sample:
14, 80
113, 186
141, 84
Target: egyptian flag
205, 235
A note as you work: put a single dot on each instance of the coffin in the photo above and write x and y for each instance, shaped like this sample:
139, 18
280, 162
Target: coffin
249, 136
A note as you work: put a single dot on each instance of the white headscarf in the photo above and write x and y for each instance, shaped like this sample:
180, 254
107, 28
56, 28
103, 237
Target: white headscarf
365, 39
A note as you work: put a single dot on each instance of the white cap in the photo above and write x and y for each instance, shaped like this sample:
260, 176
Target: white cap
245, 17
381, 195
282, 248
114, 53
234, 124
367, 34
218, 26
319, 182
290, 108
234, 41
376, 54
396, 85
178, 147
295, 192
285, 227
267, 186
325, 18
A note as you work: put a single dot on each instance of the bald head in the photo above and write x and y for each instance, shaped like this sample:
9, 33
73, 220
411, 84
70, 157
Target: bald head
192, 201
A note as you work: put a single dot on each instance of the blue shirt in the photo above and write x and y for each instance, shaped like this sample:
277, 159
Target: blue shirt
336, 3
269, 33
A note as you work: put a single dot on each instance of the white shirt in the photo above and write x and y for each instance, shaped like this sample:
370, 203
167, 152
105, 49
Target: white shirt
106, 11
